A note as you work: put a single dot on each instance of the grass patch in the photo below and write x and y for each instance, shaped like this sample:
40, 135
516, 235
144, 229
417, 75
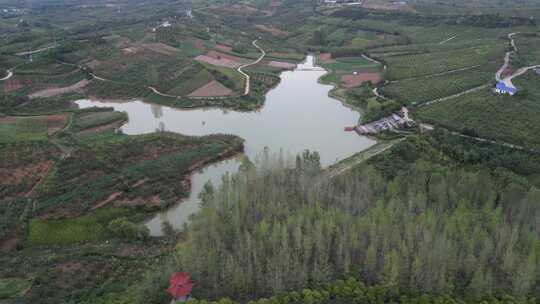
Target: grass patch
89, 227
349, 64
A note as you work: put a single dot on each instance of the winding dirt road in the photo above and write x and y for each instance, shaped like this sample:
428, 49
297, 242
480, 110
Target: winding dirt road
507, 57
36, 51
246, 76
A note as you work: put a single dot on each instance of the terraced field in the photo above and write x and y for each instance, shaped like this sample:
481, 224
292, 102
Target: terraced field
429, 88
410, 66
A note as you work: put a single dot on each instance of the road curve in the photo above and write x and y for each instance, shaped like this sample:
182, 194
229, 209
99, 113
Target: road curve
8, 76
246, 76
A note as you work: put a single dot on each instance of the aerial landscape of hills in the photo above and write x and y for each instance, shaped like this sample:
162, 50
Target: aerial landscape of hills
269, 151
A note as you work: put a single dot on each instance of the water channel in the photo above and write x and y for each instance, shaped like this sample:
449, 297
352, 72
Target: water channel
298, 114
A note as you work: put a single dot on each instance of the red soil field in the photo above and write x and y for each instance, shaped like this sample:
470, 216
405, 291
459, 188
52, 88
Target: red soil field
220, 59
325, 56
350, 81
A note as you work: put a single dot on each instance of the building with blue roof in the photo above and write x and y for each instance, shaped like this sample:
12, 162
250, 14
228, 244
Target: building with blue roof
502, 88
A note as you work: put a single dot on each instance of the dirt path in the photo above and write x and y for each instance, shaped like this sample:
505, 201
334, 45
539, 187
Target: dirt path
439, 74
36, 51
366, 57
246, 76
427, 103
239, 69
507, 57
447, 40
358, 158
494, 142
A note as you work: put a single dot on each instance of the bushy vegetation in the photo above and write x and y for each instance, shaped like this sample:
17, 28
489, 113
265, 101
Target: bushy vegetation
268, 230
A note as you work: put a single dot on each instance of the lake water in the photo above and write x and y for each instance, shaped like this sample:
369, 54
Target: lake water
297, 115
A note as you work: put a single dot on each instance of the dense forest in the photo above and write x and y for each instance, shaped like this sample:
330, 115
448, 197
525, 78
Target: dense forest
429, 224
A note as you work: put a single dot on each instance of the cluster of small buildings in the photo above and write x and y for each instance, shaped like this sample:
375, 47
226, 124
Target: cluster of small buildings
504, 89
397, 120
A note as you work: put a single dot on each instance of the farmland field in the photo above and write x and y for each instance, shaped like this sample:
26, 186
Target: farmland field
409, 66
22, 129
433, 87
433, 213
484, 114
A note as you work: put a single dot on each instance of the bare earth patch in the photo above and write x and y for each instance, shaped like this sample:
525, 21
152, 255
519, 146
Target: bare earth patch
282, 64
350, 81
51, 92
161, 48
220, 59
32, 174
129, 50
199, 44
271, 29
213, 88
93, 63
54, 123
13, 85
325, 56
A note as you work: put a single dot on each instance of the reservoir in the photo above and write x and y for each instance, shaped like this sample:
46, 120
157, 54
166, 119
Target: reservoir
297, 115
